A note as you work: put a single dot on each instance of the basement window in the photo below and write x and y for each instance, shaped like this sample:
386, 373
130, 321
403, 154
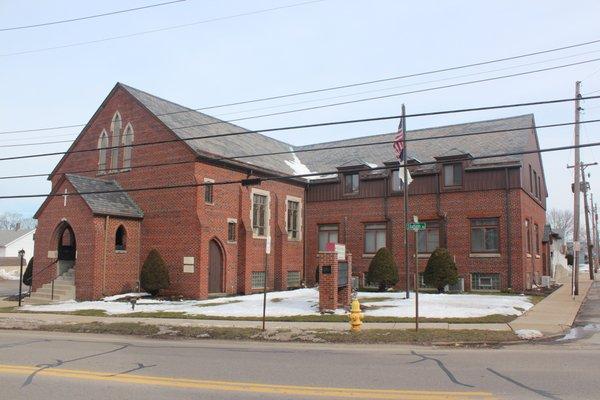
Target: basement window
258, 280
481, 281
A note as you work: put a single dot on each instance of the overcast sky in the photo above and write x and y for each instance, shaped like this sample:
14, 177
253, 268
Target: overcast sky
300, 48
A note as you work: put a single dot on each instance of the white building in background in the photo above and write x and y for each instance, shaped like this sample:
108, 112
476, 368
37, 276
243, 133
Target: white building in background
11, 241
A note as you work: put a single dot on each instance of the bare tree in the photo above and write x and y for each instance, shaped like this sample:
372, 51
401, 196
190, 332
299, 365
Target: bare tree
11, 221
561, 221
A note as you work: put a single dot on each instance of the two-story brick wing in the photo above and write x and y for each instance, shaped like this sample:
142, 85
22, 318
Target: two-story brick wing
100, 224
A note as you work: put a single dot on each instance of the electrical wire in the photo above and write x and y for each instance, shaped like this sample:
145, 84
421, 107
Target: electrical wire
64, 21
338, 87
258, 180
294, 127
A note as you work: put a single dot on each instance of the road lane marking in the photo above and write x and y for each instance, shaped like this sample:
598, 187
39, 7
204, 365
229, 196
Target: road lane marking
244, 386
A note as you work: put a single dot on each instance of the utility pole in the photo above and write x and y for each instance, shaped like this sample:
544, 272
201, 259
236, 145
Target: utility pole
576, 195
590, 245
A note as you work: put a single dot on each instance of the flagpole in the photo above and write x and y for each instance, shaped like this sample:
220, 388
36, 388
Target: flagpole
405, 189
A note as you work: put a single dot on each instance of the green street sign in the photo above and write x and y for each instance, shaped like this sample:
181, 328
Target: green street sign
416, 226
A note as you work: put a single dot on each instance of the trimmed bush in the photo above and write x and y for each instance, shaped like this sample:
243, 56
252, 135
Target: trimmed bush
28, 274
383, 271
154, 275
441, 270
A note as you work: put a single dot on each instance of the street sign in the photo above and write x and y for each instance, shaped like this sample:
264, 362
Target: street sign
416, 226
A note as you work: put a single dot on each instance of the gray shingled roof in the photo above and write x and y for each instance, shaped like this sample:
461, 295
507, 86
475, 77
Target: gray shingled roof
7, 236
427, 150
117, 204
175, 117
328, 160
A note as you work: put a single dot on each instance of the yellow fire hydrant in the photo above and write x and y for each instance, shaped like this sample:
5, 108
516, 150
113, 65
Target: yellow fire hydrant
356, 316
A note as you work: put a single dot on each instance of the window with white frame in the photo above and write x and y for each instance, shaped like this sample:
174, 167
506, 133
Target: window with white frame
429, 238
102, 154
375, 237
482, 281
328, 233
293, 219
116, 126
127, 142
258, 279
260, 216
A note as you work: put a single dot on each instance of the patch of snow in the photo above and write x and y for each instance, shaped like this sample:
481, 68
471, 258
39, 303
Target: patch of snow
9, 275
306, 302
121, 296
528, 334
297, 166
580, 331
371, 165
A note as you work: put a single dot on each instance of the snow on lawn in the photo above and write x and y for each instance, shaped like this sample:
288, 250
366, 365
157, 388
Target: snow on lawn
9, 275
305, 302
528, 334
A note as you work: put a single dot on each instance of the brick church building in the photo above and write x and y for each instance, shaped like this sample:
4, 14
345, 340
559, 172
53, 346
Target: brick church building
98, 227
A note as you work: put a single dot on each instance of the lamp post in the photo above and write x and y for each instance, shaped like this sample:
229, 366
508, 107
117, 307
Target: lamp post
21, 257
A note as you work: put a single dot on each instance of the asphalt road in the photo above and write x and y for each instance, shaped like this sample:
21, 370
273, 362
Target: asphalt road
49, 366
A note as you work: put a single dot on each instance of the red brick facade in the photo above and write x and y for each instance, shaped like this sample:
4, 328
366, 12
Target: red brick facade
177, 222
188, 232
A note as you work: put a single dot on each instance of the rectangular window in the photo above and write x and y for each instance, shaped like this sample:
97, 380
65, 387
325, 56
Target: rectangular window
397, 181
327, 234
293, 219
539, 183
293, 279
527, 237
485, 235
208, 193
453, 174
481, 281
429, 239
259, 214
351, 183
536, 235
375, 235
530, 179
231, 231
258, 280
535, 184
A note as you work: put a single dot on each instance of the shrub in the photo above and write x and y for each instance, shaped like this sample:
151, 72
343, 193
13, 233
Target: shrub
28, 274
440, 270
383, 271
154, 275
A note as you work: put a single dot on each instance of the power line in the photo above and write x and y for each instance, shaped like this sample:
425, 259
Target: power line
288, 177
305, 126
64, 21
338, 87
167, 28
233, 158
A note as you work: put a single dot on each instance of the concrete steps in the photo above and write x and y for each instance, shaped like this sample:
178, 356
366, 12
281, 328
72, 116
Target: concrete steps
64, 289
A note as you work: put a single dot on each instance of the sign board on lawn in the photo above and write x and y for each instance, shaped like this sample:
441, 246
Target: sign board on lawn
340, 249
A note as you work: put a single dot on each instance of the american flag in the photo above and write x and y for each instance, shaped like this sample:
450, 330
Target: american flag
399, 138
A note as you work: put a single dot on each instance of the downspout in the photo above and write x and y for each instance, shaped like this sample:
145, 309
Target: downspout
386, 217
438, 208
304, 223
139, 282
507, 213
106, 220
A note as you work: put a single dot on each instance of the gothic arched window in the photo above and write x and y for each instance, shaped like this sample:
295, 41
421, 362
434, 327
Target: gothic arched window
127, 141
115, 127
102, 145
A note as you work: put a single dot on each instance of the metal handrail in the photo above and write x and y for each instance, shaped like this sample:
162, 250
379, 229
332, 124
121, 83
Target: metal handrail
33, 274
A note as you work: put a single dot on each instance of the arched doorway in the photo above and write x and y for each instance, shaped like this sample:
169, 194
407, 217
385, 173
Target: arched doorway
66, 248
215, 268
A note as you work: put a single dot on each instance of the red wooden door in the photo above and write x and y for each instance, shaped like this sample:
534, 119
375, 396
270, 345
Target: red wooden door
215, 268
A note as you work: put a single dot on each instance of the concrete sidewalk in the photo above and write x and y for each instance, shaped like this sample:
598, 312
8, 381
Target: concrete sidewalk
556, 313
